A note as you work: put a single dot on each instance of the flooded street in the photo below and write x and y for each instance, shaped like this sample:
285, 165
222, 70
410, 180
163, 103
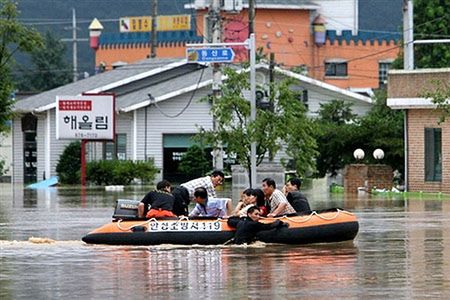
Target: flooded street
402, 251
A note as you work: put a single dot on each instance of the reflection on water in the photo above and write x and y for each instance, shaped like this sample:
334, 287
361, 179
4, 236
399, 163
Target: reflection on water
401, 251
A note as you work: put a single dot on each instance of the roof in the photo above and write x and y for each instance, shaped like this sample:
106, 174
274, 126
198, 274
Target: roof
137, 85
267, 4
97, 83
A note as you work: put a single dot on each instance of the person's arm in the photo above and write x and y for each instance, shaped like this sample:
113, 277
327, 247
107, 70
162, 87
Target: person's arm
141, 210
280, 208
195, 212
233, 221
261, 226
238, 208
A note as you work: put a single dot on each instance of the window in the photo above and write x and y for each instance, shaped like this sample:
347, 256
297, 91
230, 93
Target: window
383, 68
117, 150
337, 69
433, 154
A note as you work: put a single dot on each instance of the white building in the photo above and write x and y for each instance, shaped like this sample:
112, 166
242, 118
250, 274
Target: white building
158, 110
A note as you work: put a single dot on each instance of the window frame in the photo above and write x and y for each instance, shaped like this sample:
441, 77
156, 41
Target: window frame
334, 66
433, 154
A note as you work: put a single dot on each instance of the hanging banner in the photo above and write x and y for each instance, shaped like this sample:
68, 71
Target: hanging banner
163, 23
88, 117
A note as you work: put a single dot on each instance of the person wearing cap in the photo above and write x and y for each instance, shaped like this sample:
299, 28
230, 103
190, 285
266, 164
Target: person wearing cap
210, 207
296, 198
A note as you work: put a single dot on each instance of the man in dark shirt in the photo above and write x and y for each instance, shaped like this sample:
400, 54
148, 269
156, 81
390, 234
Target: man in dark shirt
157, 203
296, 198
247, 228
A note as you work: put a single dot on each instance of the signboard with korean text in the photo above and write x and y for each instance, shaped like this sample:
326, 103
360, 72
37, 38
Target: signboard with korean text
163, 23
88, 117
210, 55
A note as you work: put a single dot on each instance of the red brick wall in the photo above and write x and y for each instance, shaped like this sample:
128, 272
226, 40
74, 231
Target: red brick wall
376, 176
418, 120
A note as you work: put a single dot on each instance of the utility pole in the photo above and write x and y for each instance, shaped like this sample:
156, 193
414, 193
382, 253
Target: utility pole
408, 35
154, 40
74, 41
216, 31
251, 17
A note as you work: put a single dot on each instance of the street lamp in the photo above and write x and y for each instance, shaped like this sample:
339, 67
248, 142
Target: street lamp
378, 154
358, 154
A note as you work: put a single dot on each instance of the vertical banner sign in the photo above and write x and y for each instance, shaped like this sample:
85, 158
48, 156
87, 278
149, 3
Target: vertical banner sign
87, 117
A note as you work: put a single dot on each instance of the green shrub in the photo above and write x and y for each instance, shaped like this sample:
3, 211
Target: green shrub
194, 162
120, 172
69, 164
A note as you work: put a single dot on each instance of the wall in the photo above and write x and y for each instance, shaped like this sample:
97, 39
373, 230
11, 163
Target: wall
368, 176
412, 84
418, 119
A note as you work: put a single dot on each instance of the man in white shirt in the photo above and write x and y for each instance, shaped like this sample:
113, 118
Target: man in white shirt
210, 207
279, 205
184, 194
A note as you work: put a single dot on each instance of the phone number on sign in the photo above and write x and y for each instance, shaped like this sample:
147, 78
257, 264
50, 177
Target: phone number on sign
185, 226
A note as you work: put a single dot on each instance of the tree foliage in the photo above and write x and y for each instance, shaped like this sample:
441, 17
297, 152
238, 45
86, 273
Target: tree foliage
69, 164
440, 95
49, 68
338, 136
432, 21
14, 37
194, 162
285, 124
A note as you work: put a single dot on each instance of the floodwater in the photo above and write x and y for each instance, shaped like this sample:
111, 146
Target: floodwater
402, 251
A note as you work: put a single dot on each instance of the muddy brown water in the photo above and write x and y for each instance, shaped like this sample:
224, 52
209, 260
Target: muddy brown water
402, 251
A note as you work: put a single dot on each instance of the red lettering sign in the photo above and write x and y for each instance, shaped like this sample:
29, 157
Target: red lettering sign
83, 105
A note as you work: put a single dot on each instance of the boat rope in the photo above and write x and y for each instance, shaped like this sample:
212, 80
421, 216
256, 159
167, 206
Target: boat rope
314, 213
132, 226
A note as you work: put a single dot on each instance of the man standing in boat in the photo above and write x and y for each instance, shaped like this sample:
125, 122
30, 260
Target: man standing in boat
296, 198
160, 202
279, 205
210, 207
184, 194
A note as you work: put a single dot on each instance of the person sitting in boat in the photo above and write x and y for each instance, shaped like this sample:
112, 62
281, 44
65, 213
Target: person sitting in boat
184, 194
247, 200
261, 201
210, 207
279, 205
296, 198
247, 228
158, 203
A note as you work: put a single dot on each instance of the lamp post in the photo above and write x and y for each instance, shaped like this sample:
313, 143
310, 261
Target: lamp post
358, 154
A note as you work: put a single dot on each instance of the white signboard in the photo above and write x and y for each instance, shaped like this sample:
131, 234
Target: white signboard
184, 226
89, 117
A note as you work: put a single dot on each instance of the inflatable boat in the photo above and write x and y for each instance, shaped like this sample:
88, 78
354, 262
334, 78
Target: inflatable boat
333, 225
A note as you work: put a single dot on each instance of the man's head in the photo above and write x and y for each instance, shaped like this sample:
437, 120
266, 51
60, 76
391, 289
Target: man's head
200, 195
163, 185
254, 213
268, 186
293, 184
217, 178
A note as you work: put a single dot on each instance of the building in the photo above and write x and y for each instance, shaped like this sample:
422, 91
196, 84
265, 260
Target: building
427, 142
158, 110
325, 39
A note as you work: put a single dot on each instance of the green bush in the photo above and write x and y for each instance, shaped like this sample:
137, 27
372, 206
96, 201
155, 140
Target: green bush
194, 162
69, 164
119, 172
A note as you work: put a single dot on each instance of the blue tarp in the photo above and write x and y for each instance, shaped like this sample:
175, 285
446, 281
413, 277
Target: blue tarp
44, 183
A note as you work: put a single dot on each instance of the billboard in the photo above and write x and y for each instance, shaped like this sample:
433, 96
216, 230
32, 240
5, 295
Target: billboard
86, 117
163, 23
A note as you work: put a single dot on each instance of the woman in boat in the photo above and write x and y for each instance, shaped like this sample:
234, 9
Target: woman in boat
247, 200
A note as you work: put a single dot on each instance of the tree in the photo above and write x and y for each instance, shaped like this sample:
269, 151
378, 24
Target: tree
285, 124
14, 37
336, 135
194, 162
50, 70
431, 21
69, 164
340, 132
440, 96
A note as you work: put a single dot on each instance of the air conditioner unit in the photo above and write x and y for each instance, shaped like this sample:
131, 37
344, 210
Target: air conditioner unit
232, 5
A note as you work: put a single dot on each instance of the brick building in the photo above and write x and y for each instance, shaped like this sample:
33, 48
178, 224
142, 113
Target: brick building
427, 142
321, 38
